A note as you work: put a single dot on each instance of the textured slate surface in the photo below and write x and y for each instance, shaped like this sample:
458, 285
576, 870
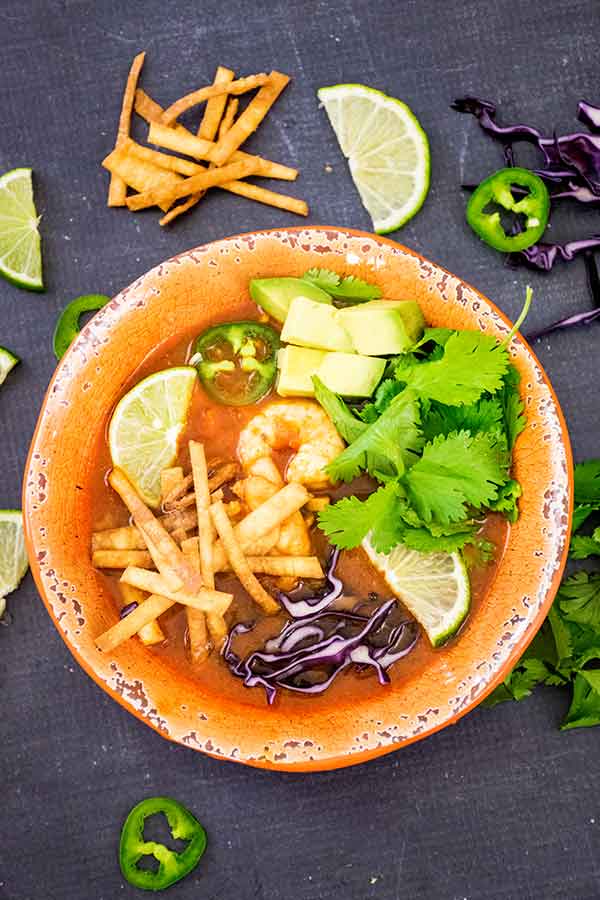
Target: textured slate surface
502, 806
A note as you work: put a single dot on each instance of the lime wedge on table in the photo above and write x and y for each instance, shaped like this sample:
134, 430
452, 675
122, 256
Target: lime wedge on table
20, 246
13, 556
386, 148
8, 361
434, 587
146, 426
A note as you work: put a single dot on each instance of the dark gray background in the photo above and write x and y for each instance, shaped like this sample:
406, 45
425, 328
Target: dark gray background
502, 806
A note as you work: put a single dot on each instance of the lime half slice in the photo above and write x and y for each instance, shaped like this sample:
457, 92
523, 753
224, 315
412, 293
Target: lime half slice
386, 148
146, 425
8, 361
434, 587
20, 245
13, 556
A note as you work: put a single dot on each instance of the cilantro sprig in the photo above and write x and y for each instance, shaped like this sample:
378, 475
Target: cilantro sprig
349, 289
566, 651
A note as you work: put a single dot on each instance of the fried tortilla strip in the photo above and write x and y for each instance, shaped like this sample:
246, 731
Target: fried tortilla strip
163, 160
179, 535
151, 633
120, 559
167, 556
180, 209
196, 620
181, 141
125, 538
177, 488
179, 518
206, 531
238, 561
204, 600
240, 86
316, 504
293, 566
228, 118
222, 475
211, 178
140, 174
215, 107
146, 612
170, 481
250, 119
269, 198
117, 190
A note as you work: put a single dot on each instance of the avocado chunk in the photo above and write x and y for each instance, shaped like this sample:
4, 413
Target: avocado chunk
274, 295
344, 373
383, 327
312, 324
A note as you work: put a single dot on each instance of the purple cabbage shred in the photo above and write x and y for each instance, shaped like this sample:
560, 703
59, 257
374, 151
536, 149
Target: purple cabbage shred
309, 653
582, 318
299, 606
128, 609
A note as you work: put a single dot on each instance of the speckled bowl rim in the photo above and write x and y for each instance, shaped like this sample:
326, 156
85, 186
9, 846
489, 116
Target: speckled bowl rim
292, 756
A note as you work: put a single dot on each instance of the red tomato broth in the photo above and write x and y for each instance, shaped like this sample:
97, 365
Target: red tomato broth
218, 427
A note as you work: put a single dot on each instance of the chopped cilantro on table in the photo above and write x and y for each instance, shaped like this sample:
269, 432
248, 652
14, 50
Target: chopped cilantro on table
566, 650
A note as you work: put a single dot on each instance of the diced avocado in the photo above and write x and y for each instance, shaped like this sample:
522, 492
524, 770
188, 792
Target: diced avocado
296, 366
383, 327
276, 294
344, 373
351, 375
312, 324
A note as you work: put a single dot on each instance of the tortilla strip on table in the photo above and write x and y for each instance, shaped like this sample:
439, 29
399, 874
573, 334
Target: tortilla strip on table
210, 178
117, 190
140, 174
215, 107
239, 86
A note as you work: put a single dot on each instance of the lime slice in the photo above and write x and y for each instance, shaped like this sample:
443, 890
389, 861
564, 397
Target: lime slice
146, 426
434, 587
386, 147
13, 556
20, 246
8, 361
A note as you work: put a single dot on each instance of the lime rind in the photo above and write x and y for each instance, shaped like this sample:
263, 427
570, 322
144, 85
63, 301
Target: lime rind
8, 361
20, 243
377, 171
13, 555
434, 587
146, 425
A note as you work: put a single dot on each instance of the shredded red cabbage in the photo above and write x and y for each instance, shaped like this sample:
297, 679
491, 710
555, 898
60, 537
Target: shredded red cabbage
309, 653
583, 318
589, 115
299, 605
128, 609
543, 256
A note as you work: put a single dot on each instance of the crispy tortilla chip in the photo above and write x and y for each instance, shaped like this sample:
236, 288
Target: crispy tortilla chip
270, 198
151, 633
240, 86
154, 582
140, 174
117, 190
164, 160
196, 620
120, 559
125, 628
215, 107
250, 119
210, 178
229, 116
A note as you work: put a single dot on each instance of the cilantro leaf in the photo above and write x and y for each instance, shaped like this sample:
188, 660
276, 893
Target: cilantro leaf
485, 415
584, 546
385, 448
581, 513
472, 364
585, 705
561, 634
513, 407
435, 335
520, 683
424, 541
349, 288
587, 482
349, 520
507, 500
455, 471
342, 417
579, 599
385, 393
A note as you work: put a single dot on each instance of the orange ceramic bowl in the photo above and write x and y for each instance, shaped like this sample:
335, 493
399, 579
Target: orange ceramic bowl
196, 288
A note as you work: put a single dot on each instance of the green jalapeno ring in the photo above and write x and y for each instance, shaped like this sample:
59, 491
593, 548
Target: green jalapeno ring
67, 326
172, 866
535, 205
237, 361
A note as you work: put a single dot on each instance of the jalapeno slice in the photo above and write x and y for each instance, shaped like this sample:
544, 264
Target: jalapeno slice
237, 361
67, 326
171, 865
532, 201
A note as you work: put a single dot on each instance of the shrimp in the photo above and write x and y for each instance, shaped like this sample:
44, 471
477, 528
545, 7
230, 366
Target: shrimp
300, 425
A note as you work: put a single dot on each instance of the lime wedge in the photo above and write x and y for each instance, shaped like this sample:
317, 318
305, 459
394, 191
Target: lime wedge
13, 556
434, 587
8, 361
387, 150
20, 246
146, 426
